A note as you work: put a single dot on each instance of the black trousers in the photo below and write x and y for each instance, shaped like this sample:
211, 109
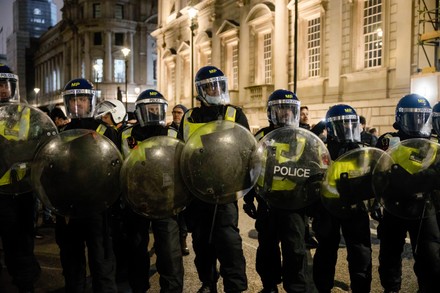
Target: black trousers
356, 232
425, 243
17, 234
169, 261
288, 227
222, 243
72, 238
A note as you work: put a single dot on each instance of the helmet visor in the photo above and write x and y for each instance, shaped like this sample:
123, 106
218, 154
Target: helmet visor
416, 121
8, 87
151, 114
214, 91
80, 103
436, 122
285, 113
346, 128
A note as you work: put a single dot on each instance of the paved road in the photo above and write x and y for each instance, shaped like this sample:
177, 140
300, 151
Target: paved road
51, 280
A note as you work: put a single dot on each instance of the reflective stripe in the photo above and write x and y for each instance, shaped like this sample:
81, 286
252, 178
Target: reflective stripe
101, 129
172, 132
124, 143
231, 112
190, 127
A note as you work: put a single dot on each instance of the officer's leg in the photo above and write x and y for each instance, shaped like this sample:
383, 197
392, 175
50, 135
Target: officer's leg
392, 234
426, 250
356, 231
70, 240
229, 249
169, 254
138, 256
327, 231
201, 216
268, 259
292, 231
100, 251
18, 240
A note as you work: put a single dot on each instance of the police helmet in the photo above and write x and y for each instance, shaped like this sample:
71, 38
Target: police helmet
436, 118
79, 98
342, 123
283, 108
113, 107
212, 86
413, 116
8, 85
151, 108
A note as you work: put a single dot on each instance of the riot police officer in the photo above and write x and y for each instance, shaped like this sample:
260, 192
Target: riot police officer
150, 111
112, 113
413, 120
275, 225
212, 89
16, 210
343, 134
73, 234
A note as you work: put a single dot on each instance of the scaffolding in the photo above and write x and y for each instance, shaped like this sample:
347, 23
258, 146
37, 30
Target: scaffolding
429, 34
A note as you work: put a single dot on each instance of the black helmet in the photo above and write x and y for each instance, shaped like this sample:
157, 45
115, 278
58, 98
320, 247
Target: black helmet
151, 108
283, 108
413, 113
212, 86
79, 98
8, 84
342, 124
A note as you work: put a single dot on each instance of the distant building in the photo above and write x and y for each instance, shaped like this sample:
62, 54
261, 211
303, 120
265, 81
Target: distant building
31, 18
88, 43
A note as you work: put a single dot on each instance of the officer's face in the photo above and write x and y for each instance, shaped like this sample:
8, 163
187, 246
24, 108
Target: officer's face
212, 89
153, 109
177, 115
107, 119
80, 105
5, 91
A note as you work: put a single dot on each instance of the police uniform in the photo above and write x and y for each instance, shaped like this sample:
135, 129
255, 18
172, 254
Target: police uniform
275, 225
424, 235
16, 213
72, 235
226, 244
355, 228
169, 261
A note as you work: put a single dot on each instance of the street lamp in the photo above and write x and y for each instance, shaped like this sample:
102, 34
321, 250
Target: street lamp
192, 13
125, 52
36, 90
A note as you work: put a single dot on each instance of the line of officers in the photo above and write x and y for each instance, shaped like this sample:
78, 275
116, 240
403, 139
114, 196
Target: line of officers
117, 239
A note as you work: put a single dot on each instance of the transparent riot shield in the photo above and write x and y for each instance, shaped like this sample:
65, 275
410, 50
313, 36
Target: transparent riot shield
151, 180
76, 173
347, 185
404, 181
24, 129
216, 162
290, 165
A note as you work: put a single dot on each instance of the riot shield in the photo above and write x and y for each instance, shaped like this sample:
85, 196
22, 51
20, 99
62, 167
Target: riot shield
76, 173
290, 165
347, 185
24, 129
216, 162
151, 180
404, 179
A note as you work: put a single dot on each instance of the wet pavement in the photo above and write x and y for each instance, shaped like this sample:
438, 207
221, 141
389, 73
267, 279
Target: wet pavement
51, 279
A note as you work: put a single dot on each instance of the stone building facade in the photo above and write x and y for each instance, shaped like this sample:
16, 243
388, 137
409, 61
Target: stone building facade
363, 53
88, 43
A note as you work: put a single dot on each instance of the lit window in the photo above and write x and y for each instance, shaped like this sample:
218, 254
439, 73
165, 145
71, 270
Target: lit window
119, 73
119, 11
314, 47
267, 57
372, 32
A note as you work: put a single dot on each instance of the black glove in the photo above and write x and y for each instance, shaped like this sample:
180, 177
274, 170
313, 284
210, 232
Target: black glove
376, 211
354, 190
250, 209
